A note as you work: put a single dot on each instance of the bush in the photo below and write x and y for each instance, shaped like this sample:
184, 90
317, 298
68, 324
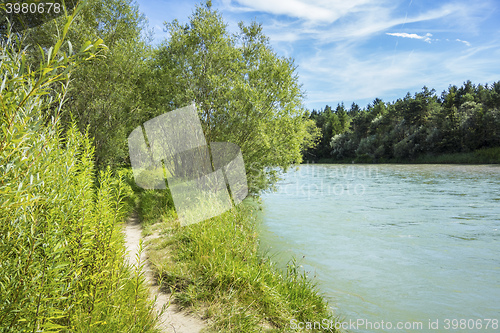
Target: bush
61, 246
488, 155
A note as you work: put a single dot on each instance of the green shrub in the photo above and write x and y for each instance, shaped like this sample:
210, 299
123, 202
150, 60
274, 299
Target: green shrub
488, 155
61, 246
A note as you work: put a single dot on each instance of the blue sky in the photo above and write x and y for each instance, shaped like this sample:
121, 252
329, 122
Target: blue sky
357, 50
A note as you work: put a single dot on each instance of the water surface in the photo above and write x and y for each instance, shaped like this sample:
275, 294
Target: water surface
395, 243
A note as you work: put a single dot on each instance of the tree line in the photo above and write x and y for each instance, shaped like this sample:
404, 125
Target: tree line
462, 119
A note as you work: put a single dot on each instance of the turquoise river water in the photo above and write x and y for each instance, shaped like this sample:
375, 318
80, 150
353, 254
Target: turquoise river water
392, 246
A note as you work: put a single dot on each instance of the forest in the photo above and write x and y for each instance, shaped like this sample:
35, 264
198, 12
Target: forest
462, 125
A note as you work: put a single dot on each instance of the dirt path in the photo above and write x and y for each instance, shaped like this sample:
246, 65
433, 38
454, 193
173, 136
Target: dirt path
172, 319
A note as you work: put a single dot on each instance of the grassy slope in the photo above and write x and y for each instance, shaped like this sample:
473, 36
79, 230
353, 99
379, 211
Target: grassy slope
213, 267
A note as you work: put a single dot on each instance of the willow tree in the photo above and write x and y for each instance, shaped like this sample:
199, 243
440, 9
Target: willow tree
244, 92
104, 95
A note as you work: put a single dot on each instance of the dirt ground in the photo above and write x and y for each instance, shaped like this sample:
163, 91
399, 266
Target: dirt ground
172, 319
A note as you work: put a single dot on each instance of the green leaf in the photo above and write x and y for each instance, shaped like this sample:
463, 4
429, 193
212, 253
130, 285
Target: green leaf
98, 42
85, 47
49, 54
66, 27
3, 84
56, 47
46, 70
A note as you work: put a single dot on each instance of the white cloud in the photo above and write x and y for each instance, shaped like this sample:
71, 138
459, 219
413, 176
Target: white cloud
319, 11
405, 35
426, 38
463, 41
343, 73
293, 8
341, 56
359, 20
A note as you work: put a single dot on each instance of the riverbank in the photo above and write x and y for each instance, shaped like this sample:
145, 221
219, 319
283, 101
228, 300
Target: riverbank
168, 315
480, 156
213, 269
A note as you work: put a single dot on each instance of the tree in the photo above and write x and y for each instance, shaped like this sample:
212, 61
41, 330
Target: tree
344, 119
461, 120
354, 110
420, 107
244, 92
105, 94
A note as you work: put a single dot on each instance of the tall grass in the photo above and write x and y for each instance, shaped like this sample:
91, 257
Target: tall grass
214, 268
480, 156
62, 265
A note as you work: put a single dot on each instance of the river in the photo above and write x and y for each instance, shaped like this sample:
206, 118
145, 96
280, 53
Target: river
402, 244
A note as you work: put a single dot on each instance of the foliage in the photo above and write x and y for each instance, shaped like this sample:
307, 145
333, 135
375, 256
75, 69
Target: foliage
481, 156
105, 94
330, 123
61, 246
416, 128
244, 92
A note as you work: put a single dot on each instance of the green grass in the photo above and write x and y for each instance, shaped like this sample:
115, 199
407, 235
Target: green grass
480, 156
214, 268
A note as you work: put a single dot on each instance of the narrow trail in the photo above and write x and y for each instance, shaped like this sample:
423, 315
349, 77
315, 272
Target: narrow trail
172, 319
